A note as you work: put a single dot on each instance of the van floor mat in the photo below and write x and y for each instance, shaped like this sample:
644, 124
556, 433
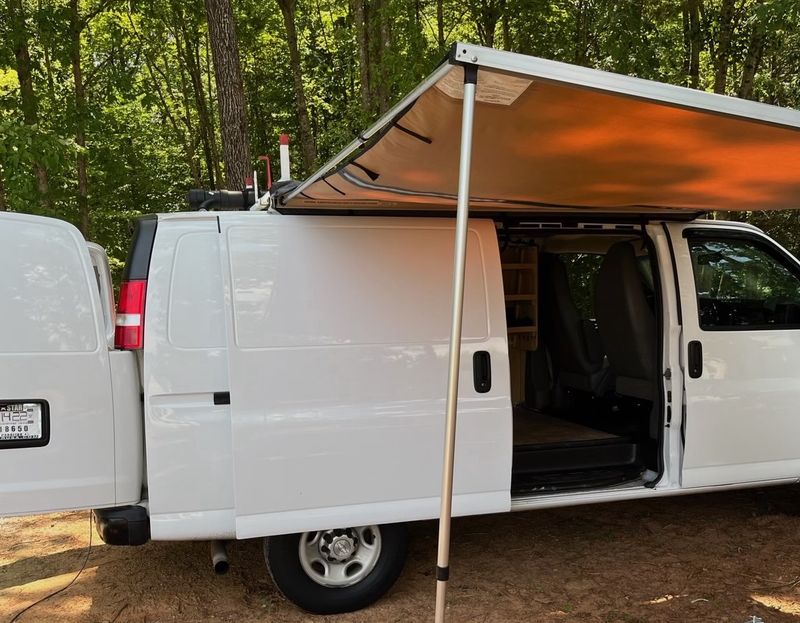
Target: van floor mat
528, 484
534, 428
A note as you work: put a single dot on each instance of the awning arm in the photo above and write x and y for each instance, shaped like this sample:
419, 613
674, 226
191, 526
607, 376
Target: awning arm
459, 266
386, 120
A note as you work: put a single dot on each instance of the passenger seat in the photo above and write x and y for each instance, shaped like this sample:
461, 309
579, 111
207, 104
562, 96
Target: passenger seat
576, 354
627, 323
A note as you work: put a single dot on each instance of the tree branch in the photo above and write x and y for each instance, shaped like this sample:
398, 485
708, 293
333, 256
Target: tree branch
100, 8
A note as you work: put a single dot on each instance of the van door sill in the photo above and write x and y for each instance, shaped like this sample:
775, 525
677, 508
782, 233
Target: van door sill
533, 483
569, 498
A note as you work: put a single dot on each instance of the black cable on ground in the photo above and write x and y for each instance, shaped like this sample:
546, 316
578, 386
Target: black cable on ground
63, 588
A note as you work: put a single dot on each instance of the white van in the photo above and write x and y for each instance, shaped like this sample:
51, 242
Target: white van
281, 377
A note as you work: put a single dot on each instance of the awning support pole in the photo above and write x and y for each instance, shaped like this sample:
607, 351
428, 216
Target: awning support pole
459, 265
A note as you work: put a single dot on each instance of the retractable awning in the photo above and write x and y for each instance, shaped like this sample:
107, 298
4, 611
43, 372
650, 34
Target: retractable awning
492, 131
551, 137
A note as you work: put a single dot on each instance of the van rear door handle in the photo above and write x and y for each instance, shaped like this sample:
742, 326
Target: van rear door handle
482, 371
695, 359
222, 398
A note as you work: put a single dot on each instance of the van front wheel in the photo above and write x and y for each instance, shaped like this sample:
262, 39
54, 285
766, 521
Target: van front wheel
340, 570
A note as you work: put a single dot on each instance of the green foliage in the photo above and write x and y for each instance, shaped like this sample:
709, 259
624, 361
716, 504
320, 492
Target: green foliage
582, 269
148, 140
738, 270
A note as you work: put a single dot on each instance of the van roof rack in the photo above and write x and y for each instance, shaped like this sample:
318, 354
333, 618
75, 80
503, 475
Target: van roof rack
229, 200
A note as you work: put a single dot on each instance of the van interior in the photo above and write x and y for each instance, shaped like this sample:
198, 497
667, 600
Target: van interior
583, 321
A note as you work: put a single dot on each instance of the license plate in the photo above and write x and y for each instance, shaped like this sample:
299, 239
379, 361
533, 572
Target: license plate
20, 421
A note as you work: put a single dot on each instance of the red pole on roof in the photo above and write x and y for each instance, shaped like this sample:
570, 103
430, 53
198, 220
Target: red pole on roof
285, 173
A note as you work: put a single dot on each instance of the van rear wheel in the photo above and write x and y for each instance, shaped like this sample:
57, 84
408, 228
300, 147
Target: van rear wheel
340, 570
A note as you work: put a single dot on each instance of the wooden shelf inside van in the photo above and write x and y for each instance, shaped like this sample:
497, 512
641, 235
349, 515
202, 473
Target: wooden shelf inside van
520, 266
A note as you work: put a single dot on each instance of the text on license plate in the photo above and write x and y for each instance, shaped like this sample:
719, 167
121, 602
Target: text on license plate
20, 421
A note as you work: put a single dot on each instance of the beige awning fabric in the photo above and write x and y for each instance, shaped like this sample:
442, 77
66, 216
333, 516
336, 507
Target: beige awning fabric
553, 137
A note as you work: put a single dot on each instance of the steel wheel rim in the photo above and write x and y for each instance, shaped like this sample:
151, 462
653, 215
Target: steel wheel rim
341, 557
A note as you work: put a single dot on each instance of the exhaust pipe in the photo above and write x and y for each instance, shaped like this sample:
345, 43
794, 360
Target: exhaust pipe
219, 557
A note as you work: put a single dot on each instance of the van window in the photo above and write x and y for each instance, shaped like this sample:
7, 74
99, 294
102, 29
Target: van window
46, 301
582, 269
744, 283
326, 285
196, 317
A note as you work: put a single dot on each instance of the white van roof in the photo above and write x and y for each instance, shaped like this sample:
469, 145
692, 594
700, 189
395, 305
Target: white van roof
559, 138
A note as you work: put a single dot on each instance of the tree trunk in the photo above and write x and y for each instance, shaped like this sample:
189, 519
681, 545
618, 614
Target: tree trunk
379, 38
307, 147
755, 51
486, 29
693, 38
385, 39
722, 59
776, 74
440, 24
28, 101
687, 41
506, 25
212, 116
360, 16
79, 95
192, 61
193, 136
230, 93
581, 44
485, 14
48, 58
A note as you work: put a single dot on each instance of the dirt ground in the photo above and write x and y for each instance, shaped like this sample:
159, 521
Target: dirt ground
723, 557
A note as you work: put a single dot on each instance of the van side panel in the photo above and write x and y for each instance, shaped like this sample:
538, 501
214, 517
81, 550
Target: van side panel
188, 436
338, 342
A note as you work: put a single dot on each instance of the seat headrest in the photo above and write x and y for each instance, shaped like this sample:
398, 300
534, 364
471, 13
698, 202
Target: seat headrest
620, 254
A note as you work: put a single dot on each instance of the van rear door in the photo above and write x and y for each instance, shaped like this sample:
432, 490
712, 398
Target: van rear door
56, 411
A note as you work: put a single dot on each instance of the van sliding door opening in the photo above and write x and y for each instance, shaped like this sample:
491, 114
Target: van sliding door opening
582, 313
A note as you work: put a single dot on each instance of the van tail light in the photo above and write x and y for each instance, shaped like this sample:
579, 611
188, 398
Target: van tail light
129, 333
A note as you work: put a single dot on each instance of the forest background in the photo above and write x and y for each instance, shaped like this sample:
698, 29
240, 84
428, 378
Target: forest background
114, 108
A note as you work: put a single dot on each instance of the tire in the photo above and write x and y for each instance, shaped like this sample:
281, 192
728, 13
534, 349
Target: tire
299, 569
